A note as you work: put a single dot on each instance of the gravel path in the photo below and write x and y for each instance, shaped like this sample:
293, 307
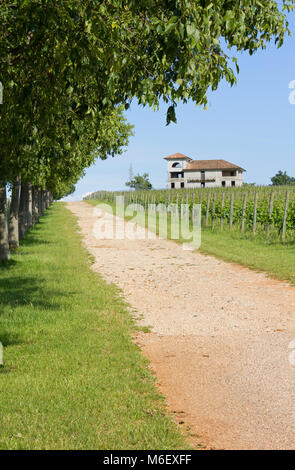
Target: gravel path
220, 337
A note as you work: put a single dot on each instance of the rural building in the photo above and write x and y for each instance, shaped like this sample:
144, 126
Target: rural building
183, 172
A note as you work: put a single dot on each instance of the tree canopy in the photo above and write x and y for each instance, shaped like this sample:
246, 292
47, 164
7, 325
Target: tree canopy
139, 182
70, 68
67, 65
282, 179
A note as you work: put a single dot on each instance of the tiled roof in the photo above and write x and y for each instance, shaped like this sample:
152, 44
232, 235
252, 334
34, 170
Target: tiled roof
211, 165
177, 156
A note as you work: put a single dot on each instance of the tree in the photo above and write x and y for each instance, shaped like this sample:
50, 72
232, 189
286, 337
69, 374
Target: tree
67, 66
282, 179
140, 182
147, 49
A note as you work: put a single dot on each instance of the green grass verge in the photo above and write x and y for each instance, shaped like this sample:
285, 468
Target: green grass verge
72, 377
274, 257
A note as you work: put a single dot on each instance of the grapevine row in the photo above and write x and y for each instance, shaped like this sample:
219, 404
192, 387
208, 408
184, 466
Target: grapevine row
257, 209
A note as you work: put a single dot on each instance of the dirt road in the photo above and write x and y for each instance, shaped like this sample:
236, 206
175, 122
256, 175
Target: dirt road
220, 337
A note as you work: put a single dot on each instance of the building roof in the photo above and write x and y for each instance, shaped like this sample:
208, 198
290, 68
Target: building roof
211, 165
177, 156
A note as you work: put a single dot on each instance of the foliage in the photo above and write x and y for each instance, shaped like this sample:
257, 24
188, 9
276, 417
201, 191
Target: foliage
70, 68
282, 179
65, 60
140, 182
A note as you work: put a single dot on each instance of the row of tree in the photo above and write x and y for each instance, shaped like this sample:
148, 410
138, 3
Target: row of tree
69, 70
28, 203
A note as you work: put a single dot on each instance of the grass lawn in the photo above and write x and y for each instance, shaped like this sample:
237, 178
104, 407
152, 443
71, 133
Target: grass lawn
72, 377
274, 257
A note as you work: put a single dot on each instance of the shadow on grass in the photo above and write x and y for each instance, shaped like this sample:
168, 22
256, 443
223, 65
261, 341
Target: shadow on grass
19, 290
8, 339
25, 295
33, 239
23, 300
280, 244
6, 265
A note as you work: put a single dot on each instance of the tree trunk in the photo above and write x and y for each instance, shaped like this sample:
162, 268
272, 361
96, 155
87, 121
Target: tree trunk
4, 243
39, 202
35, 204
42, 201
13, 215
29, 208
22, 211
45, 199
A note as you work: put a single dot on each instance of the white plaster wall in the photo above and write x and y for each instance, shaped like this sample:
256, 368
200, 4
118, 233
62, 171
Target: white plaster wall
182, 163
212, 174
209, 174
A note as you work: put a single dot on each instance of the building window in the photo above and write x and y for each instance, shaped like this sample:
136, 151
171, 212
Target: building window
228, 173
233, 183
202, 185
172, 185
182, 185
223, 183
176, 165
175, 175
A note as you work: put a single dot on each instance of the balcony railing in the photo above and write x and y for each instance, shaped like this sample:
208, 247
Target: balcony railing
176, 177
202, 180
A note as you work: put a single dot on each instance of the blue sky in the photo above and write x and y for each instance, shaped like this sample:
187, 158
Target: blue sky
251, 124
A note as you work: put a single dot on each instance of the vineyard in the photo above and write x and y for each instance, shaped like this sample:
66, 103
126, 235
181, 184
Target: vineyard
263, 210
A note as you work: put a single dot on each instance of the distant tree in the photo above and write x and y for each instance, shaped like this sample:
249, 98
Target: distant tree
282, 179
140, 182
